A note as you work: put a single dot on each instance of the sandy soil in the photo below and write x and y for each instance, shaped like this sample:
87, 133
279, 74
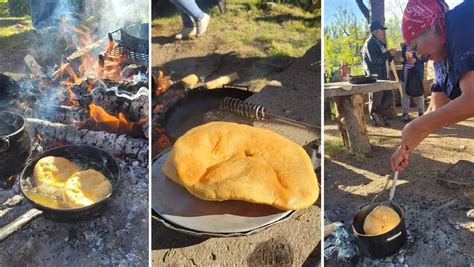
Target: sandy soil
433, 212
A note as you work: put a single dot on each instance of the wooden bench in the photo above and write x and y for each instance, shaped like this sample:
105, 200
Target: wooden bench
350, 109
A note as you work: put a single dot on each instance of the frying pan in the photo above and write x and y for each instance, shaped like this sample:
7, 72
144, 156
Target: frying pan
190, 111
363, 79
86, 157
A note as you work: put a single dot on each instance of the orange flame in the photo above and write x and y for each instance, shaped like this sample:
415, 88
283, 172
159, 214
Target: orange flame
106, 122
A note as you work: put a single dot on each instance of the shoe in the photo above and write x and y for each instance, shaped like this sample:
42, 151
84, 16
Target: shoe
378, 119
202, 25
406, 117
186, 32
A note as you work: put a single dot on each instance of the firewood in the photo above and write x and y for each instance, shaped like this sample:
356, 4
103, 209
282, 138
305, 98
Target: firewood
223, 80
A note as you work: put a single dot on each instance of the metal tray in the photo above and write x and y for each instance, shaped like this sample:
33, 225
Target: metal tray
180, 210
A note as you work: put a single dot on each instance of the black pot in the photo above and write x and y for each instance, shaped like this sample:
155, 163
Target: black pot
379, 246
15, 145
87, 156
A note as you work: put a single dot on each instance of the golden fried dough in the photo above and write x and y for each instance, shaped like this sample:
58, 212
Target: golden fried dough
381, 220
229, 161
53, 171
86, 188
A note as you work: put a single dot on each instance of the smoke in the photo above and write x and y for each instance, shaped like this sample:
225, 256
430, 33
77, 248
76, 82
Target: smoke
115, 14
74, 25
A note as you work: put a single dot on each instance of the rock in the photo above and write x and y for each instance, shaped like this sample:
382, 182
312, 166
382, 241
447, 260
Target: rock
274, 83
270, 5
462, 147
470, 214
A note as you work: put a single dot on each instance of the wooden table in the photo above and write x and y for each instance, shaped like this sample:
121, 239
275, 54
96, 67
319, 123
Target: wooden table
350, 109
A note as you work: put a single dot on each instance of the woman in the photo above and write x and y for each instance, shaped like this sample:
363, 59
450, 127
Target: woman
447, 38
413, 65
195, 21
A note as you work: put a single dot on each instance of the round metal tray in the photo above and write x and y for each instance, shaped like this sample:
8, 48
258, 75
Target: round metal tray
180, 210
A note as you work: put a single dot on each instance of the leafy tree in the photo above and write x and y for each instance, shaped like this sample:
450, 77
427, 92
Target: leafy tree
345, 37
343, 41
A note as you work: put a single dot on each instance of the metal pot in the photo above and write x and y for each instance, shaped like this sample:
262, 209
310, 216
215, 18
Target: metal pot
384, 245
15, 145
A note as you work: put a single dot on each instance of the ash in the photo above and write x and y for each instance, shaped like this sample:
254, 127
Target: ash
119, 236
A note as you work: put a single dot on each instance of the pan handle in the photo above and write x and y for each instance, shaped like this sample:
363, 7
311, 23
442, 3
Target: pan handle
18, 223
394, 237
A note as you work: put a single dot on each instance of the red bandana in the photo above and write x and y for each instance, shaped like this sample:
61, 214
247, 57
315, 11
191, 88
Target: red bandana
419, 15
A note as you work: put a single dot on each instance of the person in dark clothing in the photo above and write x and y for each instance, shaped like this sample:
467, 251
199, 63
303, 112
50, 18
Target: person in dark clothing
411, 63
376, 59
47, 13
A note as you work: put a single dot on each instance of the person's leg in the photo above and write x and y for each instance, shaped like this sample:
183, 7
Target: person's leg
202, 19
420, 104
189, 29
387, 104
42, 12
375, 100
191, 8
185, 17
405, 103
405, 99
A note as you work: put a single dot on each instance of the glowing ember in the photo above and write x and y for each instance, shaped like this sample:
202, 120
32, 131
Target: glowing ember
162, 83
162, 141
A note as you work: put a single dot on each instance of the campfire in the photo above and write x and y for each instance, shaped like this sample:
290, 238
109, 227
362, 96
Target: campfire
98, 95
102, 86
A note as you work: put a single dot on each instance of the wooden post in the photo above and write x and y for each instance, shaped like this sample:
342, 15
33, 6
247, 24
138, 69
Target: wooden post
351, 122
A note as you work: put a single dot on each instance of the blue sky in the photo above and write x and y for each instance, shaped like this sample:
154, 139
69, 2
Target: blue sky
330, 8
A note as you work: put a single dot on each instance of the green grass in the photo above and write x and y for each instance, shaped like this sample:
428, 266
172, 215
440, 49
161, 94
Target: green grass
283, 31
13, 29
336, 149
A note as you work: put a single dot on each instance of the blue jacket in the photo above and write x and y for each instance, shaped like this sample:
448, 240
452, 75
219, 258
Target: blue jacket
459, 48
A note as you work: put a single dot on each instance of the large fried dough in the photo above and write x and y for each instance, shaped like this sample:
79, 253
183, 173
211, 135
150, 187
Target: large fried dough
86, 188
228, 161
53, 171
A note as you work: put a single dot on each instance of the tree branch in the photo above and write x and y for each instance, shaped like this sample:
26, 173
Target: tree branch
363, 8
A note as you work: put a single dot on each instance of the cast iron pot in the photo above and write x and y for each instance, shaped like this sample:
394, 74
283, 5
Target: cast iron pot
384, 245
15, 145
85, 156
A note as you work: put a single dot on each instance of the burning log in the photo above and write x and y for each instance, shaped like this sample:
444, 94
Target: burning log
119, 145
34, 67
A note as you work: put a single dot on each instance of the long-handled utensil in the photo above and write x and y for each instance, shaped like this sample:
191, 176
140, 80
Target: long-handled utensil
394, 186
254, 111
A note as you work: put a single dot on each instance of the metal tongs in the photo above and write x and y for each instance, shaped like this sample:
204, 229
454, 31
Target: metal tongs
392, 189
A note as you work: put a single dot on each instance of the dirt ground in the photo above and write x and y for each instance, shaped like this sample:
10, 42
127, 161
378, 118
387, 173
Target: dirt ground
278, 245
434, 212
233, 43
294, 242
